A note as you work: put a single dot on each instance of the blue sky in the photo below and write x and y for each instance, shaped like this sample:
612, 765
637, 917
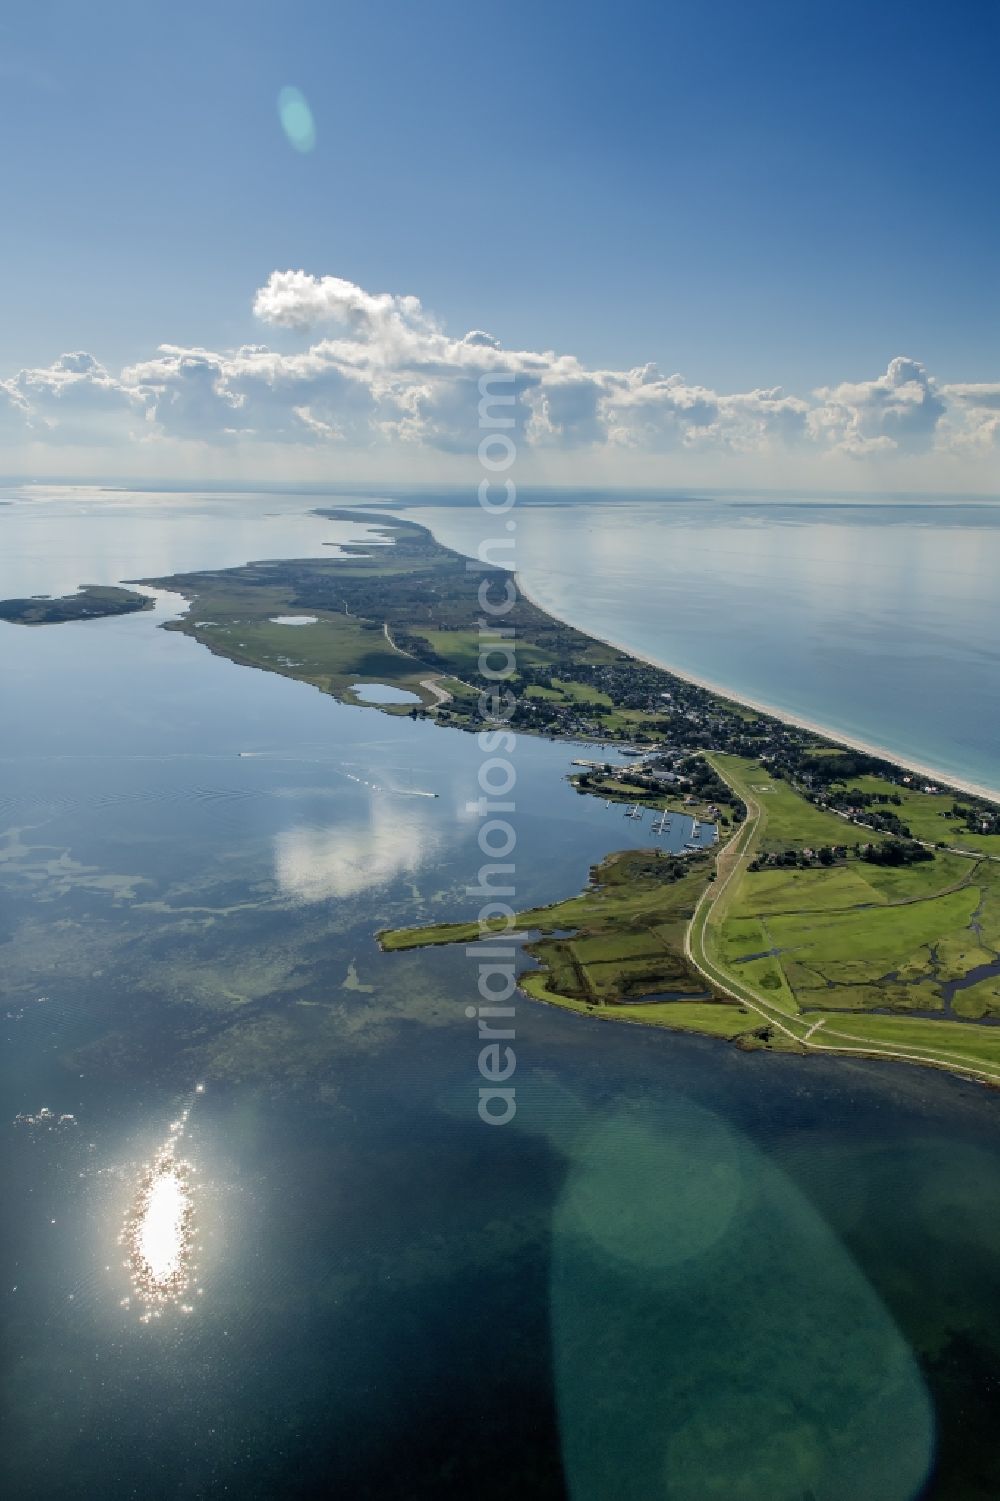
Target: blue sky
753, 196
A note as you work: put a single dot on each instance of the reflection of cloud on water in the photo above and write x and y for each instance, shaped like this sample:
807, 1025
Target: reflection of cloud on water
314, 864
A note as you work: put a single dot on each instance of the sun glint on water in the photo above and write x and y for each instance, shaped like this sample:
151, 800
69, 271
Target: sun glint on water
159, 1232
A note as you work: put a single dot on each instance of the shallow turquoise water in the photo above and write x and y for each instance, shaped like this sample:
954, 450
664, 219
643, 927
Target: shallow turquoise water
681, 1272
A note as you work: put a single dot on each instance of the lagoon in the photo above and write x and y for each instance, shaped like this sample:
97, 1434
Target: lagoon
391, 1298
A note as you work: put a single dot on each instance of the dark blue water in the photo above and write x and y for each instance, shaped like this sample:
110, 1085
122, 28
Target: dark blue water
680, 1272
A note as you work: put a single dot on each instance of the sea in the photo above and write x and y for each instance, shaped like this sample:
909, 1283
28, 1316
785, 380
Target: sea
680, 1271
875, 620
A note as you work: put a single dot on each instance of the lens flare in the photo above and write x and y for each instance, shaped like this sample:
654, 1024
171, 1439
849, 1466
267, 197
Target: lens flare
296, 119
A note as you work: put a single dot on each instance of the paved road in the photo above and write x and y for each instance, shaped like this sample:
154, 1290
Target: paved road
734, 858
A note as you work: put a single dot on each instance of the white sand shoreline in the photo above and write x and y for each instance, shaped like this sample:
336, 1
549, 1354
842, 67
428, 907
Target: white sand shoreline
932, 773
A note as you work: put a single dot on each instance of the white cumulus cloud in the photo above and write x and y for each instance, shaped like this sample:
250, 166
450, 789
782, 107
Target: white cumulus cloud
898, 410
75, 399
376, 370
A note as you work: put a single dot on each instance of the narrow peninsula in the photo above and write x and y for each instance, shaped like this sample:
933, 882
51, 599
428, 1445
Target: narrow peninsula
851, 906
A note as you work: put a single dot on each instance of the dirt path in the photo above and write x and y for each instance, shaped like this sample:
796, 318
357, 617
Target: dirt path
388, 636
433, 685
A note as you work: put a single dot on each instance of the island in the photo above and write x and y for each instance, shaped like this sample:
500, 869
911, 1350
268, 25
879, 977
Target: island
90, 602
851, 905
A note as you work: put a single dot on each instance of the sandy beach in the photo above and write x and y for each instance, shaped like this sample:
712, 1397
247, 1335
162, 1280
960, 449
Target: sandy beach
932, 773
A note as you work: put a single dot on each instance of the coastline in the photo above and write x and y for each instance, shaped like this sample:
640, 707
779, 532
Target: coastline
837, 737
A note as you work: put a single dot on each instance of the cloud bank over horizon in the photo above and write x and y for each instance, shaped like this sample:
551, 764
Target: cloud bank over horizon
375, 376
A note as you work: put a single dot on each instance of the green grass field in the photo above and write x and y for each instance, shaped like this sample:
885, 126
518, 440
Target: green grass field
460, 649
829, 957
565, 688
962, 1043
710, 1018
332, 654
789, 822
837, 944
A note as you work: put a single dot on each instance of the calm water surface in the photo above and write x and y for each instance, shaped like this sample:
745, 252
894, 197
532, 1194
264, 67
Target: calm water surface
681, 1272
880, 621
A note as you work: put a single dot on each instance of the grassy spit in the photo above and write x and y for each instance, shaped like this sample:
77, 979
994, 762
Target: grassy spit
823, 950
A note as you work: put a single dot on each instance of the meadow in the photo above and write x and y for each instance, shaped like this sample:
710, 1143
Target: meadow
788, 820
855, 955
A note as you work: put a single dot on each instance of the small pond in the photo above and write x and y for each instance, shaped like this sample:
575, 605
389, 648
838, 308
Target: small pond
381, 693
